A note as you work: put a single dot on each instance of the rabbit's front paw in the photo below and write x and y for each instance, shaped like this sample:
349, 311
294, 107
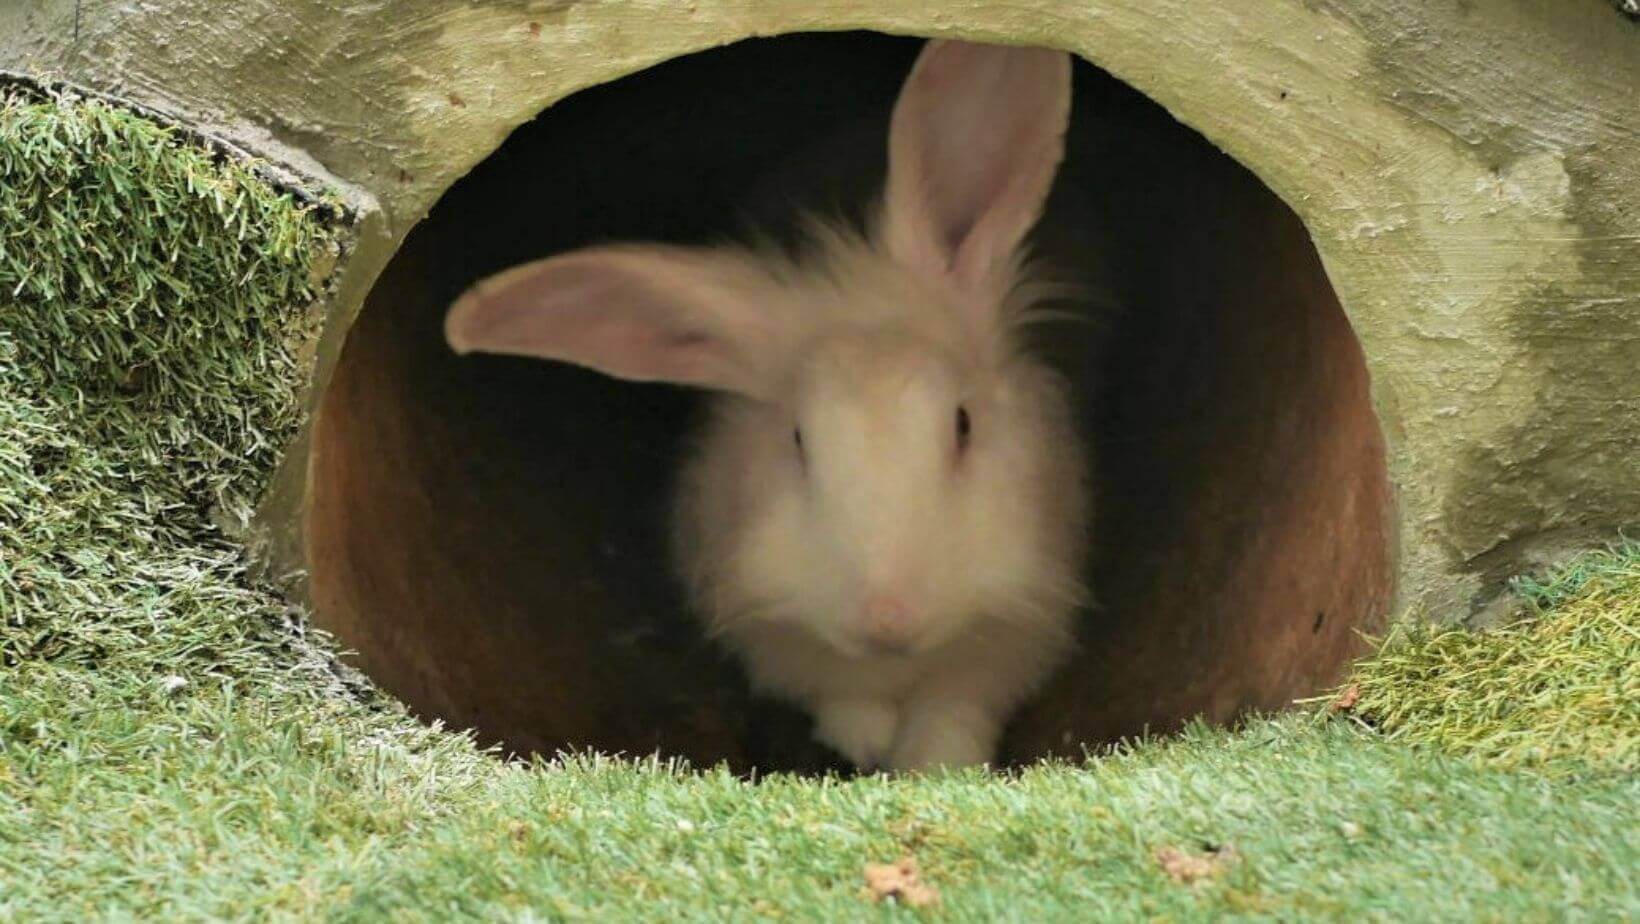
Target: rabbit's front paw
860, 729
934, 738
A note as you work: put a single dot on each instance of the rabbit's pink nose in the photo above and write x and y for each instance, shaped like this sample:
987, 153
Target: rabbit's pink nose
888, 623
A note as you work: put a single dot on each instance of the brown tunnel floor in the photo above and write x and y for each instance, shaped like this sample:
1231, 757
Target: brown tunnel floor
488, 533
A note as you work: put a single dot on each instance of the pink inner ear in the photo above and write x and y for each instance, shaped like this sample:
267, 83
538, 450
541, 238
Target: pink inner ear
639, 313
977, 136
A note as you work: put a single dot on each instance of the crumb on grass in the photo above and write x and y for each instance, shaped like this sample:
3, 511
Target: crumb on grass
1187, 868
1347, 699
899, 882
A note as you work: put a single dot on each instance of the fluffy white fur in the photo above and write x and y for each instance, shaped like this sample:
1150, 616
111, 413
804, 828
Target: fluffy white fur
906, 584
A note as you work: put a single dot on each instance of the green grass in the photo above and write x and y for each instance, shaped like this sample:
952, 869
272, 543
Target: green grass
1559, 692
213, 808
175, 746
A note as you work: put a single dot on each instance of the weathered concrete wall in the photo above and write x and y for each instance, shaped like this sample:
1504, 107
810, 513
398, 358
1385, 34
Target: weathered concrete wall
1470, 171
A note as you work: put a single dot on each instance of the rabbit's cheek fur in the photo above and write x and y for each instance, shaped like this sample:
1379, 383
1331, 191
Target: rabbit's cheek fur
775, 561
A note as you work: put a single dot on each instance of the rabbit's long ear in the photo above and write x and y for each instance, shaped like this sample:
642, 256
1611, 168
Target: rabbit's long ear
977, 135
644, 313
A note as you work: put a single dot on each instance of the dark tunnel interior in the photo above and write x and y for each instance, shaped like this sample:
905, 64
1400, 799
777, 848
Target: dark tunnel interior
488, 533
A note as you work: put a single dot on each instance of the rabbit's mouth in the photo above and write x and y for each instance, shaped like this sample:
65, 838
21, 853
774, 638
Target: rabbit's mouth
886, 651
931, 635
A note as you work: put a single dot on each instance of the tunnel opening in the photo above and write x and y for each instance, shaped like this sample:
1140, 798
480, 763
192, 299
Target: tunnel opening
488, 534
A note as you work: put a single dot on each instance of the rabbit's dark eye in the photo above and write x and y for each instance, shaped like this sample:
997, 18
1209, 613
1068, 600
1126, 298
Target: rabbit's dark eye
797, 437
964, 427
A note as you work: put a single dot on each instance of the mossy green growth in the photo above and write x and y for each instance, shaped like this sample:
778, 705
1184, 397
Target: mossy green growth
154, 329
1559, 691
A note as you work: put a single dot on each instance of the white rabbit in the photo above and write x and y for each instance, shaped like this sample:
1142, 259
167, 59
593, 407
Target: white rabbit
885, 516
